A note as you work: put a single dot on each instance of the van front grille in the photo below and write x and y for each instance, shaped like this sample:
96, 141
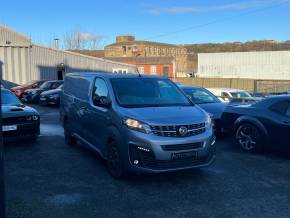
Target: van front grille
174, 131
148, 160
181, 147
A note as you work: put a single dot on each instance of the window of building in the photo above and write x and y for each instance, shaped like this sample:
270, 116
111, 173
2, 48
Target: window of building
158, 51
124, 50
120, 70
153, 70
141, 70
146, 51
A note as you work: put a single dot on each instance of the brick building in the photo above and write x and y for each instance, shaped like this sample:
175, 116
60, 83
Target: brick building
152, 57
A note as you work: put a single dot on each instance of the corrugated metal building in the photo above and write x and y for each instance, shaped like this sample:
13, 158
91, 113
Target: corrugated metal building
23, 61
272, 65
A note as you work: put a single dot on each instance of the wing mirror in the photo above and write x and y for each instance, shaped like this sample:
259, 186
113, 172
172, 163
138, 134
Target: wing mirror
102, 102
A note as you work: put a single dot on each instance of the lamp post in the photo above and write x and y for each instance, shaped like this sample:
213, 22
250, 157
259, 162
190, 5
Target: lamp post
2, 188
56, 43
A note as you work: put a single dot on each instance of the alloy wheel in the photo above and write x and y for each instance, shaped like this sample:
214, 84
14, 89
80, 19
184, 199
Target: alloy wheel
248, 137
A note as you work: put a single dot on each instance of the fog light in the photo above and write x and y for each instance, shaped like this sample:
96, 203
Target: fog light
136, 162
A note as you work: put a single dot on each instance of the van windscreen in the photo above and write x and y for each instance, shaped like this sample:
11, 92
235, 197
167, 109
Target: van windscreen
147, 92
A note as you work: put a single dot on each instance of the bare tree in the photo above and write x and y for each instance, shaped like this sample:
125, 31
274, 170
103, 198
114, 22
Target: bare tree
81, 40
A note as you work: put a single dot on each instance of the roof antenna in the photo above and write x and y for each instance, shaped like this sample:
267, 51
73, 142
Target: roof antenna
136, 53
139, 74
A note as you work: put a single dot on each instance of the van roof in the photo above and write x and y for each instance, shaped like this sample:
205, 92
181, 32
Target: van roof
111, 75
226, 89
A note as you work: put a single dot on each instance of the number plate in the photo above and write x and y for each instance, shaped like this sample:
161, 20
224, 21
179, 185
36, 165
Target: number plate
184, 155
42, 99
9, 128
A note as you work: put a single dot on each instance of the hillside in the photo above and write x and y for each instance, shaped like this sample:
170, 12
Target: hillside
265, 45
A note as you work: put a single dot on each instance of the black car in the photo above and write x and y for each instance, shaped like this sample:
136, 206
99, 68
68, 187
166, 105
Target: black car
207, 101
51, 97
19, 122
261, 124
32, 95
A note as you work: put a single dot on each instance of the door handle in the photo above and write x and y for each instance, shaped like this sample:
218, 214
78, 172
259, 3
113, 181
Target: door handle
286, 122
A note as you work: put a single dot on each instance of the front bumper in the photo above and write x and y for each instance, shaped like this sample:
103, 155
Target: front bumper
25, 131
155, 154
51, 101
28, 98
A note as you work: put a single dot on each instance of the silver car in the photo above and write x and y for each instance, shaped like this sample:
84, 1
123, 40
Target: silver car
136, 123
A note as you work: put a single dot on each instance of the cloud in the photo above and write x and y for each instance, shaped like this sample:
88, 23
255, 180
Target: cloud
86, 36
223, 7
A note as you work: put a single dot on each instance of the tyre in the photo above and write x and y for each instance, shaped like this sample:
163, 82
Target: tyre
114, 161
248, 137
69, 139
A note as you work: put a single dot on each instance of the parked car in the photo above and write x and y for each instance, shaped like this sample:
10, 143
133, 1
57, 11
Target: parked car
32, 95
18, 90
207, 101
51, 97
232, 95
137, 123
260, 124
19, 122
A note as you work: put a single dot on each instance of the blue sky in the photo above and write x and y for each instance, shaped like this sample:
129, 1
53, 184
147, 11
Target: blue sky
171, 21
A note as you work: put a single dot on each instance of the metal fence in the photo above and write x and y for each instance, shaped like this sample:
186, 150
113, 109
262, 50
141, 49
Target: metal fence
266, 86
250, 85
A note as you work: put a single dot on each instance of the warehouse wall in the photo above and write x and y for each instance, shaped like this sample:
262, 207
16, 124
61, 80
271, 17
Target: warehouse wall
22, 64
252, 65
44, 62
15, 61
9, 37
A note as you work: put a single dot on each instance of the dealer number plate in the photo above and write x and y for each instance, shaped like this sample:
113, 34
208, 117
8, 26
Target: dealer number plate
9, 128
184, 155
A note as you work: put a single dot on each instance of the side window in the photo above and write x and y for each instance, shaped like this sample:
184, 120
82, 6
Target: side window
288, 112
55, 85
100, 92
34, 85
224, 94
281, 107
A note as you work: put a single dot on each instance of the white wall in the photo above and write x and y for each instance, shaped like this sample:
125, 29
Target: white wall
254, 65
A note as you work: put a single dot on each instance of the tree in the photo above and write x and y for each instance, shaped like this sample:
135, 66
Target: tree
81, 40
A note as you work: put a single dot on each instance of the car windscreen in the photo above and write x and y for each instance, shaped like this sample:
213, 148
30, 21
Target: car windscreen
46, 85
200, 96
240, 95
147, 92
9, 99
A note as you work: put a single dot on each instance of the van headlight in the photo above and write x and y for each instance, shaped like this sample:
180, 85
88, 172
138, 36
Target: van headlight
208, 122
137, 125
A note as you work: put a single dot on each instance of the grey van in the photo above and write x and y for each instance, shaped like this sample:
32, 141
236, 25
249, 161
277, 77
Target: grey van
137, 123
